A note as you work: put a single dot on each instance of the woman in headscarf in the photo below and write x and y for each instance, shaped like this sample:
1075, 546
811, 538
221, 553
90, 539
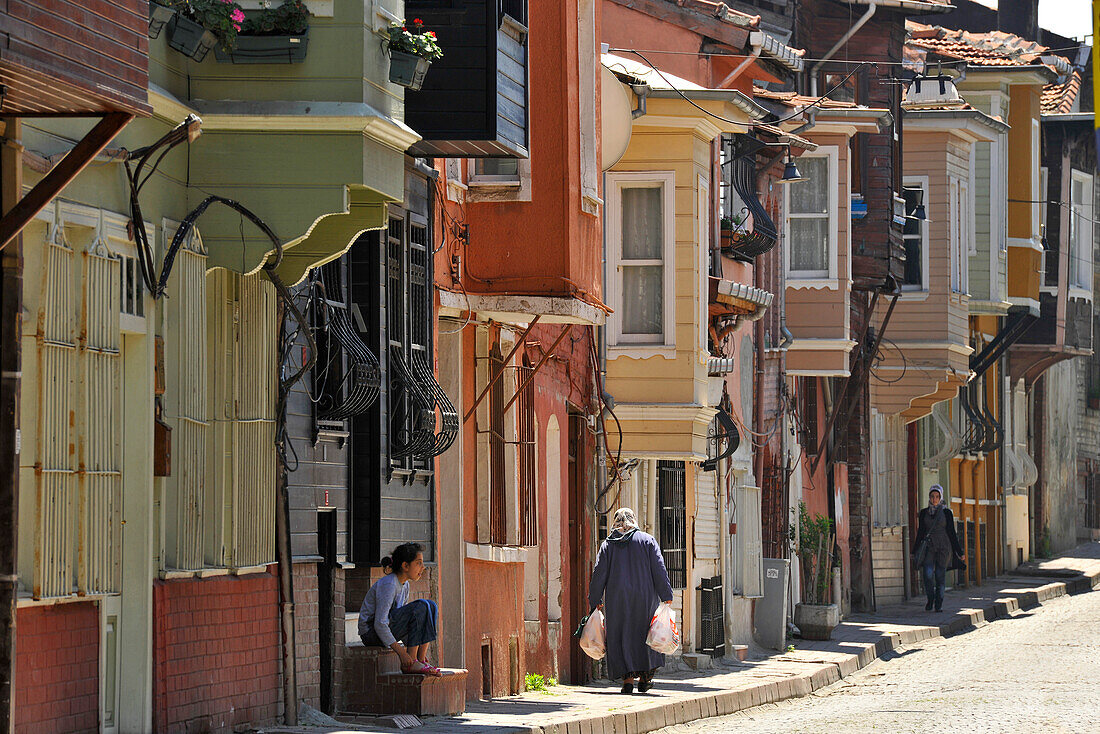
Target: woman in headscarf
937, 524
630, 580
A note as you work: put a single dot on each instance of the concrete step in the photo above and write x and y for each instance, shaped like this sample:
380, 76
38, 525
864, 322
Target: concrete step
374, 684
424, 695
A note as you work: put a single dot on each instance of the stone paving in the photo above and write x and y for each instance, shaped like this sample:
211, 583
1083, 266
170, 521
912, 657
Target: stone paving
1036, 672
765, 679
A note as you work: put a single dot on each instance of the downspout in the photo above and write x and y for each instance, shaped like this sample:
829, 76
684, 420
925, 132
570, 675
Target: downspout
840, 44
756, 40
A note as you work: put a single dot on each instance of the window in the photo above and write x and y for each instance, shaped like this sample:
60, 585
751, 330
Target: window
498, 485
961, 235
393, 442
915, 235
641, 244
497, 168
812, 218
526, 438
672, 524
1080, 231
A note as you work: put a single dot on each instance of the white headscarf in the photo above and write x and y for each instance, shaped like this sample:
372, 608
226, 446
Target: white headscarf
624, 520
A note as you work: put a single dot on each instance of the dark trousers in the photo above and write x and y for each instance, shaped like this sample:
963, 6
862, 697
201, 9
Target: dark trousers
935, 575
412, 624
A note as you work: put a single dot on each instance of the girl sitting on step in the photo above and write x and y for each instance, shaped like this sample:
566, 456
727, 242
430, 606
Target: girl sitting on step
388, 616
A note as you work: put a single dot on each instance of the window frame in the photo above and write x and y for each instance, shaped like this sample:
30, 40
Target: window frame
616, 183
803, 278
960, 234
919, 182
1080, 273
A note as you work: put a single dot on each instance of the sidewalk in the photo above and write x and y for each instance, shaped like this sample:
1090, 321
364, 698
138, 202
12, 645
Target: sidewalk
599, 709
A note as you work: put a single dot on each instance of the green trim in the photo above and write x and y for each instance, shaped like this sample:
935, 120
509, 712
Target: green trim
331, 235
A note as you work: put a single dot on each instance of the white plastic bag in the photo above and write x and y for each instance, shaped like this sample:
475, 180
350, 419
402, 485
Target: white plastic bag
664, 636
594, 637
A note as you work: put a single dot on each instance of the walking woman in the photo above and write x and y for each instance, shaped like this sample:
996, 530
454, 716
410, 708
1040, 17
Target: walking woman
388, 616
936, 525
631, 581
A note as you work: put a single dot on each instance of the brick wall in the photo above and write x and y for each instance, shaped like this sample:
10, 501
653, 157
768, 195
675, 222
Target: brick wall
215, 653
57, 669
307, 633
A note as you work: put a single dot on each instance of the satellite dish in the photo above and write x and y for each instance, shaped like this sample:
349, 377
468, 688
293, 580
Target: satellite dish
615, 110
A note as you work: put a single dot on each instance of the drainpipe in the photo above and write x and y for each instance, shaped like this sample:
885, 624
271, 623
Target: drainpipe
840, 44
756, 40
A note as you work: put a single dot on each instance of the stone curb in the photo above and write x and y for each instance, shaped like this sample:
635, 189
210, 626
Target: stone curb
671, 713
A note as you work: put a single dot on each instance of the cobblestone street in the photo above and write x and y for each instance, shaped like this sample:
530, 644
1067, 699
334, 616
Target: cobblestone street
1035, 671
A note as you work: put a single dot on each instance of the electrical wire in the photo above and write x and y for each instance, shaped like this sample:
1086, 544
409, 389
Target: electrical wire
705, 111
709, 54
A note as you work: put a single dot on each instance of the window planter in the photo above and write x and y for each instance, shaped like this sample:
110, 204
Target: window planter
190, 38
158, 16
266, 50
407, 69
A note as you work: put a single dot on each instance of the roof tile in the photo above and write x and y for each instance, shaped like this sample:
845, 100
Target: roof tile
1060, 98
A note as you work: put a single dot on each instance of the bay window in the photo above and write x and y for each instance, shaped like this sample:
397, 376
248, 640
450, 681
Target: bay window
811, 209
641, 227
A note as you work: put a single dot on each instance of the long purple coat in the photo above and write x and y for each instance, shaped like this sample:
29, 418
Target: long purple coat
631, 580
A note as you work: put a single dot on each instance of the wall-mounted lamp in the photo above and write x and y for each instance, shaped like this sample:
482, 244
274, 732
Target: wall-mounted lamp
791, 174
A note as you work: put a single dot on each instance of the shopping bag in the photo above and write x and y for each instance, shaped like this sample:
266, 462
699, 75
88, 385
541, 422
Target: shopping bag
594, 636
664, 637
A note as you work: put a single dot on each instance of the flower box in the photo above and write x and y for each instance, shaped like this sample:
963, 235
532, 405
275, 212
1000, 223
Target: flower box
190, 38
158, 16
266, 50
407, 69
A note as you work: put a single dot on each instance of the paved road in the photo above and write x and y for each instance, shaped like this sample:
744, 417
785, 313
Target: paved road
1037, 672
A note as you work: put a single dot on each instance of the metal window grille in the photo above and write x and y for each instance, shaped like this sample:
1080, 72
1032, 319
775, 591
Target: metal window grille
712, 623
498, 523
671, 498
100, 478
774, 517
131, 287
1092, 501
808, 413
55, 525
525, 425
187, 410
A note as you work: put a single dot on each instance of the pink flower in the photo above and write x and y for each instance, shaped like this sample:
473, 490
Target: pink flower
237, 27
237, 16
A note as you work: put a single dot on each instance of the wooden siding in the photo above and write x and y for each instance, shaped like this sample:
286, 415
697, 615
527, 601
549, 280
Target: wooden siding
474, 100
823, 313
928, 332
60, 56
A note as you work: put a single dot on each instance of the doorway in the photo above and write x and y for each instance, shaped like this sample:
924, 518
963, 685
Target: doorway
579, 666
326, 612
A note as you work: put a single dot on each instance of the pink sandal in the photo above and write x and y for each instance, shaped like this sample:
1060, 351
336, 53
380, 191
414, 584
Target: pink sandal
430, 669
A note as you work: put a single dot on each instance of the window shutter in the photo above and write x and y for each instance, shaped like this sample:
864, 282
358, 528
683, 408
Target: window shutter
101, 450
55, 531
672, 524
186, 409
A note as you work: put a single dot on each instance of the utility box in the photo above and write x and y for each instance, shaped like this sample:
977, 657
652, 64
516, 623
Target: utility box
770, 618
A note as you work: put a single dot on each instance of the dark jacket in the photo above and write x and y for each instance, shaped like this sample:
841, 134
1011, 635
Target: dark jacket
924, 524
630, 579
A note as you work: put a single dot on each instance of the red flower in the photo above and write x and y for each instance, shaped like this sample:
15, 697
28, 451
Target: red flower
417, 21
431, 33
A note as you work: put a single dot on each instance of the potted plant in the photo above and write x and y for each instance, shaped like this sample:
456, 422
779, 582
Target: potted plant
272, 36
411, 53
816, 619
731, 227
159, 14
199, 25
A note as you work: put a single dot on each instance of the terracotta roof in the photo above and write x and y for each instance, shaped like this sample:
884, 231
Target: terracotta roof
795, 100
995, 48
1060, 98
772, 47
721, 11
